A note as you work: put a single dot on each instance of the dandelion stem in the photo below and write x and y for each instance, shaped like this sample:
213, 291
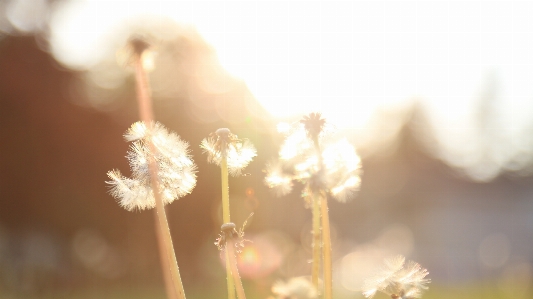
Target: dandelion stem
230, 249
143, 92
225, 190
321, 200
167, 240
166, 249
317, 226
226, 219
326, 241
167, 276
229, 275
316, 240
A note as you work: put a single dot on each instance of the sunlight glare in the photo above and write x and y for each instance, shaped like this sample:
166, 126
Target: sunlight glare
348, 60
283, 127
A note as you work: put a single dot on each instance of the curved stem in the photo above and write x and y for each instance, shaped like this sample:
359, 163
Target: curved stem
326, 241
166, 249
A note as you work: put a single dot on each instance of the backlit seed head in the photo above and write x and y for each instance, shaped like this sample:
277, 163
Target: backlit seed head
334, 167
223, 144
277, 180
398, 279
176, 174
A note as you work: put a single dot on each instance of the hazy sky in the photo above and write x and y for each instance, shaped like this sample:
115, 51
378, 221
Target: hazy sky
345, 59
366, 53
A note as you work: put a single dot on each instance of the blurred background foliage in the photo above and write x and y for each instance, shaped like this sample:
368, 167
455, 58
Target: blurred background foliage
464, 209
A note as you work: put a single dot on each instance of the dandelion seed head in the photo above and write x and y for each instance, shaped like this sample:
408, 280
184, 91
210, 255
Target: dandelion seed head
137, 131
239, 156
132, 194
310, 165
398, 280
342, 169
209, 147
295, 288
295, 144
275, 179
176, 172
239, 153
335, 170
346, 189
138, 158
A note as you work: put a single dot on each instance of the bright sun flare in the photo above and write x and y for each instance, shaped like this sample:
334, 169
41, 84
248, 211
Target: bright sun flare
345, 59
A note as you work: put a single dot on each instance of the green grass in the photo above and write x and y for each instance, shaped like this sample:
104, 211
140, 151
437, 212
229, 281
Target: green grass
471, 291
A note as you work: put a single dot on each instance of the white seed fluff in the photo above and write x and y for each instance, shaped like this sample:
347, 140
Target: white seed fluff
176, 171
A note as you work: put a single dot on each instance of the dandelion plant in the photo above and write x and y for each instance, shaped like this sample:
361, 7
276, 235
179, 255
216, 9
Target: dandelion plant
232, 155
398, 279
162, 169
326, 169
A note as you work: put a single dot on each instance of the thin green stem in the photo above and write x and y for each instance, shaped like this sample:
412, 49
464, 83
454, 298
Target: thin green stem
326, 243
316, 240
166, 249
230, 249
229, 275
225, 190
226, 219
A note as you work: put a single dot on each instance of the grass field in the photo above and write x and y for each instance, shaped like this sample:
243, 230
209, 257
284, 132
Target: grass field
475, 291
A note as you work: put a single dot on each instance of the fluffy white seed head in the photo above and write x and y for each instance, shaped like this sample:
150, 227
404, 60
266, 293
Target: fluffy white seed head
239, 153
336, 169
342, 169
176, 170
276, 179
398, 279
139, 131
132, 194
